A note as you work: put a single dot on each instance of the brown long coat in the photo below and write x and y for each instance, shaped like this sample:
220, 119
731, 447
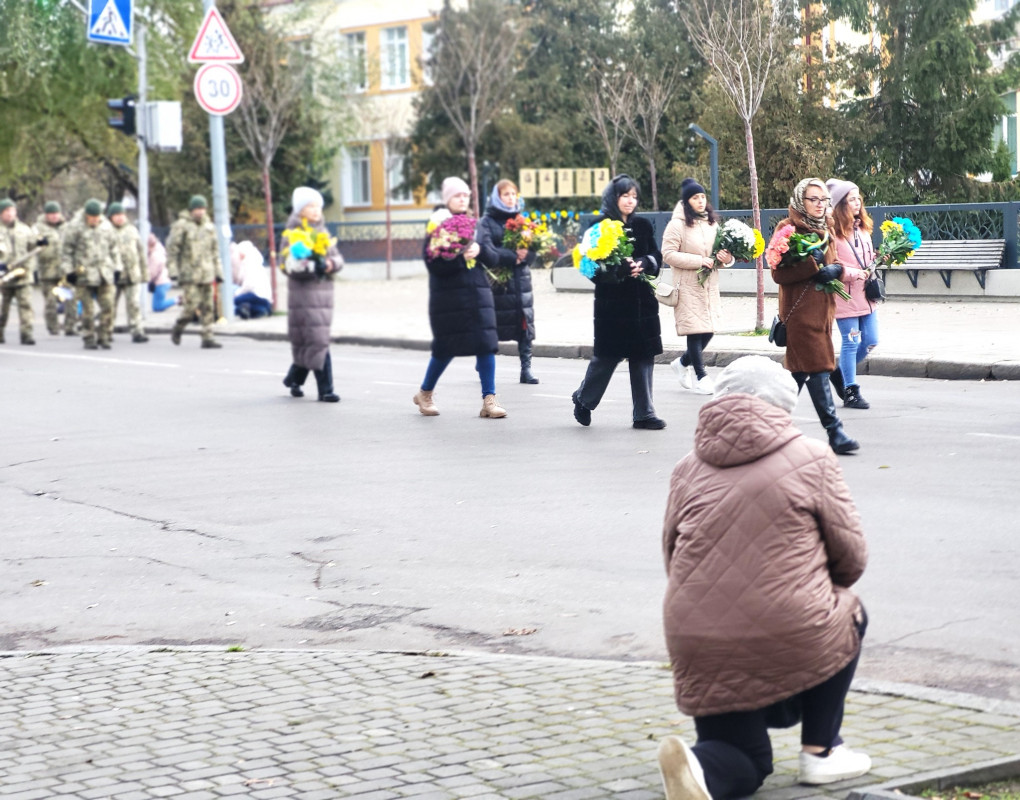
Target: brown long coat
762, 542
683, 248
809, 327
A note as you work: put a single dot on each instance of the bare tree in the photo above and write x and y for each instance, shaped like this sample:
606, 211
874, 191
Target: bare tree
742, 41
475, 57
649, 96
607, 100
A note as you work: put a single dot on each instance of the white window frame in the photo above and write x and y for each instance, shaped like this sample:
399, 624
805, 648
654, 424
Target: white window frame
356, 54
395, 54
394, 164
357, 176
429, 31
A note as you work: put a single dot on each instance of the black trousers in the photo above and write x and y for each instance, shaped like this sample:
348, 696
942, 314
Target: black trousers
600, 371
735, 750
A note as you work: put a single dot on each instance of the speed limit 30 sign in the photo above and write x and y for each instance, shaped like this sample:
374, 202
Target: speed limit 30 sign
218, 88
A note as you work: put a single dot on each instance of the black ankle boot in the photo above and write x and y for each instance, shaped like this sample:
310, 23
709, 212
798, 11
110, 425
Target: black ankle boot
324, 380
524, 349
852, 397
821, 397
295, 377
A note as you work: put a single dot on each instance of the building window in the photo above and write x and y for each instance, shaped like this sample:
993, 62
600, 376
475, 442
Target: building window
428, 36
395, 62
358, 175
357, 60
399, 193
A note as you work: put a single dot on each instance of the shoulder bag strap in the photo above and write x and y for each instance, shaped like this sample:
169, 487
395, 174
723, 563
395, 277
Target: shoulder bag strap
784, 321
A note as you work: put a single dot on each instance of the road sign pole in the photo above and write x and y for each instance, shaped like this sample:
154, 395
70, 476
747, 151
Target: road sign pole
221, 215
143, 155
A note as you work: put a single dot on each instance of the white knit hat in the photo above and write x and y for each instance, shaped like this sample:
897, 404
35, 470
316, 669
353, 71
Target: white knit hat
452, 187
304, 196
760, 376
839, 189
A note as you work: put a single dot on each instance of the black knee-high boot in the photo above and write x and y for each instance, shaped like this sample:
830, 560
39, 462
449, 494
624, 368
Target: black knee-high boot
524, 349
836, 377
295, 378
324, 380
821, 396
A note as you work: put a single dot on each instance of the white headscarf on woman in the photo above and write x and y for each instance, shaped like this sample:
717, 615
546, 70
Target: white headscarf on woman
797, 203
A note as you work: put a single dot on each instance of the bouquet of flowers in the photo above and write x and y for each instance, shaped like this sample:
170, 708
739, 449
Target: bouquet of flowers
603, 248
450, 235
788, 246
900, 240
743, 242
306, 249
520, 233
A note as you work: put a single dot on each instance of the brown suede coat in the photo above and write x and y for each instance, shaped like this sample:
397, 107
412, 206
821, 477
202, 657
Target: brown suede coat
761, 541
809, 325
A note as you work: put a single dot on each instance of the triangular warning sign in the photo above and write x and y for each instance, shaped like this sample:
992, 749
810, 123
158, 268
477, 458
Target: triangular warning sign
214, 42
110, 24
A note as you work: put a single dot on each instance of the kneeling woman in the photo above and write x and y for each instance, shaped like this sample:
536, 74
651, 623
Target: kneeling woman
626, 314
461, 312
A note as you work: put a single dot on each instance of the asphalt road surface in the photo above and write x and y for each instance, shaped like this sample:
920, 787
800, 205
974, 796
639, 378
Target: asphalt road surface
170, 495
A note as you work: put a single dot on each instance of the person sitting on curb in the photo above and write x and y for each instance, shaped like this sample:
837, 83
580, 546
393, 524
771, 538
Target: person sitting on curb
762, 543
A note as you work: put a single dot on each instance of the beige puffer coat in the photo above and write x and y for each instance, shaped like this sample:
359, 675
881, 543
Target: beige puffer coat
761, 541
683, 249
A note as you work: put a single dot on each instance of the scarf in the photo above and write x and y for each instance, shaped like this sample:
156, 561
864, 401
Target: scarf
818, 224
496, 202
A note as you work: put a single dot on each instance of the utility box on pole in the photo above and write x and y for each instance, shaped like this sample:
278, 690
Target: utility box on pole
161, 126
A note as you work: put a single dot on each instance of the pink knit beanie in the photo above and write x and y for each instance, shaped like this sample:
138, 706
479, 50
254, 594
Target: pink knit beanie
454, 186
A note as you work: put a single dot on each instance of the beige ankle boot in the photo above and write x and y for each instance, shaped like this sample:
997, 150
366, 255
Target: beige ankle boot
491, 408
425, 405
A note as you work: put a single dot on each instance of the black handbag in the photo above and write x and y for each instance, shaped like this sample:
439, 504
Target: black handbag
777, 333
874, 288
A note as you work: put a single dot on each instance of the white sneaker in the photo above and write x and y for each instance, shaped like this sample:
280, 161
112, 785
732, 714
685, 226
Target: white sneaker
704, 385
682, 775
684, 374
841, 764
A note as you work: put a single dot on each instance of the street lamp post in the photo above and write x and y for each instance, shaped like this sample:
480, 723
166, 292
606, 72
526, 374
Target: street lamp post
714, 161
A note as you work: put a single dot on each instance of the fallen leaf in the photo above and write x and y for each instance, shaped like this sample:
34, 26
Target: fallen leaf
519, 631
973, 795
38, 583
429, 674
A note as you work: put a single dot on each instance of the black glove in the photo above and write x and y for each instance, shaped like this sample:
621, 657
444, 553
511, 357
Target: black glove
219, 279
72, 278
152, 286
3, 267
42, 241
828, 273
116, 277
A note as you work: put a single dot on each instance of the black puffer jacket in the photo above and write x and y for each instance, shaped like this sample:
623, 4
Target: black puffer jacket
461, 310
626, 311
515, 301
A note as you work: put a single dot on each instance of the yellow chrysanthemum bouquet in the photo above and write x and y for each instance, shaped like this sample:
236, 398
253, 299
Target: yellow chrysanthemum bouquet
306, 250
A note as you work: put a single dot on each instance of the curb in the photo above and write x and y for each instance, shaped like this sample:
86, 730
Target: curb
985, 772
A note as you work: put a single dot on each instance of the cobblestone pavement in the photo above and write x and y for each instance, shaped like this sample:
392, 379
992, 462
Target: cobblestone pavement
138, 723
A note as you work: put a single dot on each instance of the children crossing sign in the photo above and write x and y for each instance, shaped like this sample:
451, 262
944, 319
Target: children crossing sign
214, 44
109, 21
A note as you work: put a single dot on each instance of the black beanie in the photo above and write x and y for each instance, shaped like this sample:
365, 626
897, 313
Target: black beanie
689, 188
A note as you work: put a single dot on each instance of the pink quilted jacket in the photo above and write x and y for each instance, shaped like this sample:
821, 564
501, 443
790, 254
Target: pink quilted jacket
761, 541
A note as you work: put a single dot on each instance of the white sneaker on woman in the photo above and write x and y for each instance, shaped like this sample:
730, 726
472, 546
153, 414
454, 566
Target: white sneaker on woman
841, 764
704, 386
684, 374
682, 775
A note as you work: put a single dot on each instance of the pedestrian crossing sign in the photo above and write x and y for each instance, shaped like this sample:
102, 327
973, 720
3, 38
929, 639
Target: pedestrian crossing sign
214, 43
110, 21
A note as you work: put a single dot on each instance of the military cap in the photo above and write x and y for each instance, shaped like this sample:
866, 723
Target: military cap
6, 203
93, 208
197, 201
52, 207
114, 208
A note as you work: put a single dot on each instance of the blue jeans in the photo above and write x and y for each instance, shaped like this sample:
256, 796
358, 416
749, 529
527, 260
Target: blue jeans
860, 336
484, 364
160, 302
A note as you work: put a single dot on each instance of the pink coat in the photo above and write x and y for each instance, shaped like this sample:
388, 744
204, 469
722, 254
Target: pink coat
762, 542
853, 276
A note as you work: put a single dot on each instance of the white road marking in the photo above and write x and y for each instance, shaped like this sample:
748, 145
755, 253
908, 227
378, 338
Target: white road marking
102, 359
996, 436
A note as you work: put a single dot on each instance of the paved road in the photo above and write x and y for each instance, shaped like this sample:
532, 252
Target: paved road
161, 495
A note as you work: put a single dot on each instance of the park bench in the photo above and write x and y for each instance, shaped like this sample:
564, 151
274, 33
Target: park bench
949, 255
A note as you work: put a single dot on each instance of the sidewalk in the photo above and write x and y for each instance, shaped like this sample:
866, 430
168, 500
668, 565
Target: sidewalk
202, 724
927, 338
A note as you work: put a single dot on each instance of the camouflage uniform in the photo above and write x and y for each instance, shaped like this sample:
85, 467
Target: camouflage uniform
51, 276
133, 274
193, 259
16, 240
91, 254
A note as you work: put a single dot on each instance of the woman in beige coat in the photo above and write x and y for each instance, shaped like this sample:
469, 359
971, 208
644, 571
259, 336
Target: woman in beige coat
687, 248
762, 543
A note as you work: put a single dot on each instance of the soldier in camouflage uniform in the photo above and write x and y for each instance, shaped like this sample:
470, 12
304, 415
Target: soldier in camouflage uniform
51, 225
91, 262
193, 259
133, 272
16, 240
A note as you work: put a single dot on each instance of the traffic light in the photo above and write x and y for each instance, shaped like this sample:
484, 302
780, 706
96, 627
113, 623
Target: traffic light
125, 119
